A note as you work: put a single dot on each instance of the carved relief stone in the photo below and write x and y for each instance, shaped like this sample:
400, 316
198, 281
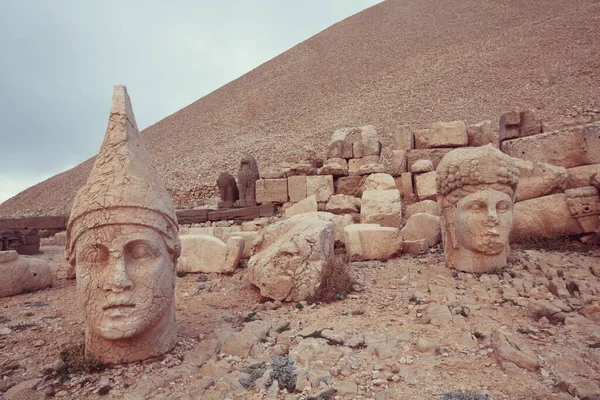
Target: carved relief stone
584, 206
122, 238
247, 177
475, 190
228, 190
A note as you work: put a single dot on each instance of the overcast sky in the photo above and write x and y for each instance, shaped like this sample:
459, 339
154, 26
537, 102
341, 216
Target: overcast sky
60, 59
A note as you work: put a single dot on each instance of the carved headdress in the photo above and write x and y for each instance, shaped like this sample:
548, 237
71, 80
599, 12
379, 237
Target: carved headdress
467, 170
123, 186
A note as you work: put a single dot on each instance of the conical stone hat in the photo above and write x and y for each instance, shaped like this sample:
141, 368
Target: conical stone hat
123, 186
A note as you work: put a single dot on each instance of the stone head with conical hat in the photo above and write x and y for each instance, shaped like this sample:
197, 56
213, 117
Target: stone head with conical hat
122, 238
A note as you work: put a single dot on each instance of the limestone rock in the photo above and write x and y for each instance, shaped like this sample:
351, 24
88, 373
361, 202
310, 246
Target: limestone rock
296, 186
481, 134
249, 240
437, 314
421, 166
399, 158
442, 134
415, 247
434, 155
581, 176
19, 274
426, 206
379, 182
271, 191
407, 186
335, 167
538, 179
404, 138
240, 343
339, 222
272, 173
309, 204
203, 253
292, 258
342, 204
320, 186
381, 207
371, 242
355, 165
426, 186
510, 348
423, 226
368, 144
583, 388
342, 143
25, 391
349, 185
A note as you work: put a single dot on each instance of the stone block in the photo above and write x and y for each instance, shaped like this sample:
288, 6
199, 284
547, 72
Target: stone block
423, 226
442, 134
407, 186
272, 173
379, 182
404, 138
568, 148
415, 247
371, 169
295, 169
434, 155
206, 254
381, 207
296, 186
512, 117
309, 204
249, 240
581, 176
530, 124
538, 179
399, 158
342, 204
271, 191
480, 134
339, 222
421, 166
372, 242
355, 164
368, 144
426, 206
342, 143
425, 185
349, 185
335, 167
321, 186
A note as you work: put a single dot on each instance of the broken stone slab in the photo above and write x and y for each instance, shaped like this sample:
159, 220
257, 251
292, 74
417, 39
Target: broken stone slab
434, 155
379, 182
296, 186
381, 207
442, 134
481, 134
271, 191
581, 176
568, 148
320, 186
372, 242
423, 226
342, 204
206, 254
309, 204
20, 274
425, 206
421, 166
510, 348
538, 179
426, 186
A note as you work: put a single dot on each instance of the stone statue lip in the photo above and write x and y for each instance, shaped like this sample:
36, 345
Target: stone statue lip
118, 304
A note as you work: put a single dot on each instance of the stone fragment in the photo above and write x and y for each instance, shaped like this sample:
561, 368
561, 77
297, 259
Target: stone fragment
404, 138
421, 166
512, 117
538, 179
373, 168
228, 190
271, 191
399, 158
368, 144
347, 387
584, 206
320, 186
247, 177
426, 346
339, 222
529, 124
538, 309
249, 240
434, 155
425, 185
371, 242
293, 258
342, 204
581, 387
437, 314
123, 219
349, 185
423, 226
572, 147
480, 134
442, 134
335, 167
296, 186
407, 186
22, 274
581, 176
240, 343
272, 173
379, 182
307, 205
203, 351
302, 168
415, 247
342, 143
25, 391
426, 206
355, 164
381, 207
206, 254
510, 348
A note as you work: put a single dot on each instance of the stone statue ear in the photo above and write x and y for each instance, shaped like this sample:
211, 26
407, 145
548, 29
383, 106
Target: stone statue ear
448, 211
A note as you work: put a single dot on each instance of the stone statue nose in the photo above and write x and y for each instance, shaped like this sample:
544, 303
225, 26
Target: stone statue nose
492, 215
117, 279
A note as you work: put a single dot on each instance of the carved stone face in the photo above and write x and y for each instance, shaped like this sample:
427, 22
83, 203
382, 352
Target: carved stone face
125, 279
483, 220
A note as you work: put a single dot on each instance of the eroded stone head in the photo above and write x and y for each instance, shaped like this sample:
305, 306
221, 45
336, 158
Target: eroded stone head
122, 238
475, 190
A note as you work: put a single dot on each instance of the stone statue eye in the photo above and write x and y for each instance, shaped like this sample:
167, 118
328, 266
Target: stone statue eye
95, 254
476, 206
503, 206
141, 251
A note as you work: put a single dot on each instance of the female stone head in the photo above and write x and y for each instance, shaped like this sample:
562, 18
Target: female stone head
475, 190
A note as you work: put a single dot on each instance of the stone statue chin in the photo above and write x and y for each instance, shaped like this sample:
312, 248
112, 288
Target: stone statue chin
475, 191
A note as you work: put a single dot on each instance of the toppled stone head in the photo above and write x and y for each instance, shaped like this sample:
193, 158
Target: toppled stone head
475, 190
122, 238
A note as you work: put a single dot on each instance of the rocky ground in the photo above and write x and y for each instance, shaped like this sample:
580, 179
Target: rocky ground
411, 329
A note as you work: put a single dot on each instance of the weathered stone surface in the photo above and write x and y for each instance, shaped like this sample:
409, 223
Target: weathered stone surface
301, 168
475, 190
292, 258
296, 186
511, 348
124, 220
203, 253
20, 274
373, 168
530, 124
371, 242
25, 391
349, 185
480, 134
581, 176
425, 185
355, 164
271, 191
342, 204
399, 159
320, 186
368, 144
335, 167
434, 155
425, 206
421, 166
272, 173
247, 177
240, 343
228, 189
342, 143
538, 179
415, 247
442, 134
379, 182
541, 217
437, 314
203, 351
249, 240
407, 186
584, 206
339, 222
583, 388
381, 207
309, 204
568, 148
404, 138
423, 226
